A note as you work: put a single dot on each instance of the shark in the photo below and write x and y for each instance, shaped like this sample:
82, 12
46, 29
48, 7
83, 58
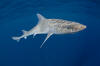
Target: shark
50, 27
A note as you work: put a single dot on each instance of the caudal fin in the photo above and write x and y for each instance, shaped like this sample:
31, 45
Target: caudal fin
16, 38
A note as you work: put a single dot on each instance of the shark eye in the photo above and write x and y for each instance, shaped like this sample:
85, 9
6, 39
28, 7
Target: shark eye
69, 27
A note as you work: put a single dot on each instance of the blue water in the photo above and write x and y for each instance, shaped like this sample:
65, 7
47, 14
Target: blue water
79, 49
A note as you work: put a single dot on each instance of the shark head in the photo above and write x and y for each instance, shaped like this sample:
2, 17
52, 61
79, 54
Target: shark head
75, 27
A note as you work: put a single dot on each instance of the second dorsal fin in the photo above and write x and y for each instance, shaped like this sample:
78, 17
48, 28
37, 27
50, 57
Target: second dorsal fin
24, 32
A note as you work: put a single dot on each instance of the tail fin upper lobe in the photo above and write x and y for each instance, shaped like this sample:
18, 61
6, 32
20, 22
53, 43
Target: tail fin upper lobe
16, 38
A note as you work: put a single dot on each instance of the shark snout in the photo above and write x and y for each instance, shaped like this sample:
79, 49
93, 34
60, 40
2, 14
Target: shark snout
82, 27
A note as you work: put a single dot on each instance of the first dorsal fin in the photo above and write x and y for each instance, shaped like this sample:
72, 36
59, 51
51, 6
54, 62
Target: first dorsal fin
40, 17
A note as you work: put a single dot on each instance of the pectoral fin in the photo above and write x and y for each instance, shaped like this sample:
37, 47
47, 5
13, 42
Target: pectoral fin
49, 34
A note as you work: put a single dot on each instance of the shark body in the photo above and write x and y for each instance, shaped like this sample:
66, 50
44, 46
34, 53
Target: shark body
50, 27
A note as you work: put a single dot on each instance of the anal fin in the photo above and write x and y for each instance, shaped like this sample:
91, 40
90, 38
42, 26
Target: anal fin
48, 35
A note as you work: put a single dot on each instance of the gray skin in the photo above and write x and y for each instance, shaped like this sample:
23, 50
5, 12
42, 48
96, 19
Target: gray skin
51, 26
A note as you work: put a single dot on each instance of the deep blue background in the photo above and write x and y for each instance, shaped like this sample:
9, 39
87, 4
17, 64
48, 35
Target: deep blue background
79, 49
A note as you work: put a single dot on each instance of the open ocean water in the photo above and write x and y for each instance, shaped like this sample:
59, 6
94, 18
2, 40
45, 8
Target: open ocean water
79, 49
